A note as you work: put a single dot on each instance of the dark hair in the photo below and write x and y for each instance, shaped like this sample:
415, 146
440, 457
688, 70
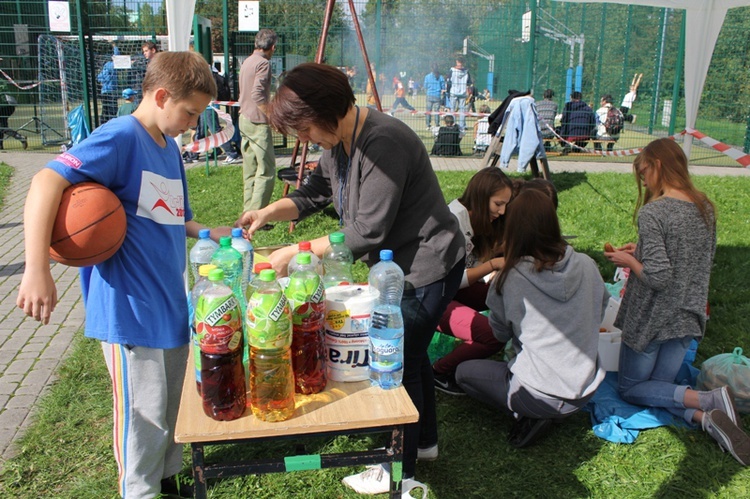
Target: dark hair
181, 73
435, 69
531, 230
149, 45
576, 96
542, 185
476, 199
668, 161
449, 119
549, 93
607, 98
265, 39
311, 93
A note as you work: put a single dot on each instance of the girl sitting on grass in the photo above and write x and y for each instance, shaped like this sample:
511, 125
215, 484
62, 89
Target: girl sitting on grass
480, 212
664, 306
549, 301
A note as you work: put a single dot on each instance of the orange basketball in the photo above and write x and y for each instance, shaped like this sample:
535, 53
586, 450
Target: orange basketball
90, 225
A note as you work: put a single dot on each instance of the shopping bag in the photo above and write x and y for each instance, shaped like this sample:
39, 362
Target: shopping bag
728, 369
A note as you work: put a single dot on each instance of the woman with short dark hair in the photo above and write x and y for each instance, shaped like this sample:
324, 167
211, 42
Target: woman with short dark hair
378, 175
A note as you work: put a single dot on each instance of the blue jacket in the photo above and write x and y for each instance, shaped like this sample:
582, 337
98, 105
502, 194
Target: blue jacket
434, 87
522, 134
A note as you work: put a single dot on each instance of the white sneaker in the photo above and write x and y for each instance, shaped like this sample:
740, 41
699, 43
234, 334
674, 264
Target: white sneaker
374, 480
377, 480
427, 453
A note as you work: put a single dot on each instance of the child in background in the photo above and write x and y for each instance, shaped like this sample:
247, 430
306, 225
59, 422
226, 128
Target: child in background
135, 301
129, 106
480, 212
549, 301
664, 306
447, 138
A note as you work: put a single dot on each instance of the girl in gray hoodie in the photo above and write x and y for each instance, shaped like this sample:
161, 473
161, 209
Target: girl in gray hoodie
549, 301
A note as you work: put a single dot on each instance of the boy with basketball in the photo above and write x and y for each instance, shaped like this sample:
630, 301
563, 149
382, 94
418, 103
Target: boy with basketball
135, 301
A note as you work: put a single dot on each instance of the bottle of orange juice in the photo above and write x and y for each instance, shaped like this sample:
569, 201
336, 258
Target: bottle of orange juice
269, 332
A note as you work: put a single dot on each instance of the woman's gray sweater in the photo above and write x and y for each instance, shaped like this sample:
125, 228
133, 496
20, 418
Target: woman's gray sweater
668, 300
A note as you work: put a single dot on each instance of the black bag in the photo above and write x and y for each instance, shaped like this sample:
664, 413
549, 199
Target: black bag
7, 105
222, 87
615, 121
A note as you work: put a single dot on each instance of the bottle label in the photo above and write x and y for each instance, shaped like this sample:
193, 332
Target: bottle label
217, 322
269, 322
385, 348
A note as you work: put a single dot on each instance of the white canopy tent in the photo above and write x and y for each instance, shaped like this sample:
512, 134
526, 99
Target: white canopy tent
179, 23
704, 19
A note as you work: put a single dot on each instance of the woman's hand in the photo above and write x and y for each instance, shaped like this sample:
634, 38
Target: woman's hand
280, 259
251, 221
622, 258
628, 248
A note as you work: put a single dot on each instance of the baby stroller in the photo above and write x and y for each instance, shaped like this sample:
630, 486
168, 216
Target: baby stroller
7, 108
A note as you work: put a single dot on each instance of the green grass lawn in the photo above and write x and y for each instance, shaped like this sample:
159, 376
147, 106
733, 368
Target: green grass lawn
66, 452
5, 173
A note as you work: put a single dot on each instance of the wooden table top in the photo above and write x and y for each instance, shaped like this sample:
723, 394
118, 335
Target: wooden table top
340, 407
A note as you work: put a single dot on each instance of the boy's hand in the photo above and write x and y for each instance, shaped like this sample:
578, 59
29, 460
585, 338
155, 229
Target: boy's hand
37, 295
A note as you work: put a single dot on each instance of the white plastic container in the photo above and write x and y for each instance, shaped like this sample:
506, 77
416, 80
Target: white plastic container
609, 349
611, 338
348, 311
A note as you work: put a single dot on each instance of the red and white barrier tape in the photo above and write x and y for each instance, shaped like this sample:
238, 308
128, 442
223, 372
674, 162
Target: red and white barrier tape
23, 87
215, 140
735, 154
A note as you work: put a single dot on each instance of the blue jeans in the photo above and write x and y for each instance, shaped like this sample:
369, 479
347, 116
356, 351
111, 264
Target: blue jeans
422, 308
647, 378
458, 103
433, 106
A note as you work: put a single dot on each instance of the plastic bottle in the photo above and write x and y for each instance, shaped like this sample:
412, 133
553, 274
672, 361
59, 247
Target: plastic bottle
251, 284
246, 251
387, 324
198, 288
337, 262
229, 260
219, 326
305, 247
201, 252
269, 330
306, 297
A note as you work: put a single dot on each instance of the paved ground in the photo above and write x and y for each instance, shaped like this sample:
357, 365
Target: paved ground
30, 353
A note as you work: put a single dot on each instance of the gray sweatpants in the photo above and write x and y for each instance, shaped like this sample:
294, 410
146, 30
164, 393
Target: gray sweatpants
146, 389
493, 383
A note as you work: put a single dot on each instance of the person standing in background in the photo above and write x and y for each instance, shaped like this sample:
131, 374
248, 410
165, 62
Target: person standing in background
460, 81
258, 161
434, 86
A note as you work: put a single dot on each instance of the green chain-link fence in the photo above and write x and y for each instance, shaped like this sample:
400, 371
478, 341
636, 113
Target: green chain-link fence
507, 44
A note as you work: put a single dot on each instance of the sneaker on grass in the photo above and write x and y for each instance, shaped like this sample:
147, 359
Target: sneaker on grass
729, 436
526, 431
377, 480
446, 383
427, 453
720, 398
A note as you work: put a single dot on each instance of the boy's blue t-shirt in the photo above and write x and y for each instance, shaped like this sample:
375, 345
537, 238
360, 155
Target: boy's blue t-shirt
137, 297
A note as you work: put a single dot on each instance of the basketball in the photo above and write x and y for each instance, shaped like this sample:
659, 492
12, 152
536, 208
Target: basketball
90, 225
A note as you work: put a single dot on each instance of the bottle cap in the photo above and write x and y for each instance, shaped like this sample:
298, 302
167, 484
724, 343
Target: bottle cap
206, 269
304, 258
237, 232
216, 275
336, 237
304, 246
386, 255
267, 275
204, 233
261, 266
225, 241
